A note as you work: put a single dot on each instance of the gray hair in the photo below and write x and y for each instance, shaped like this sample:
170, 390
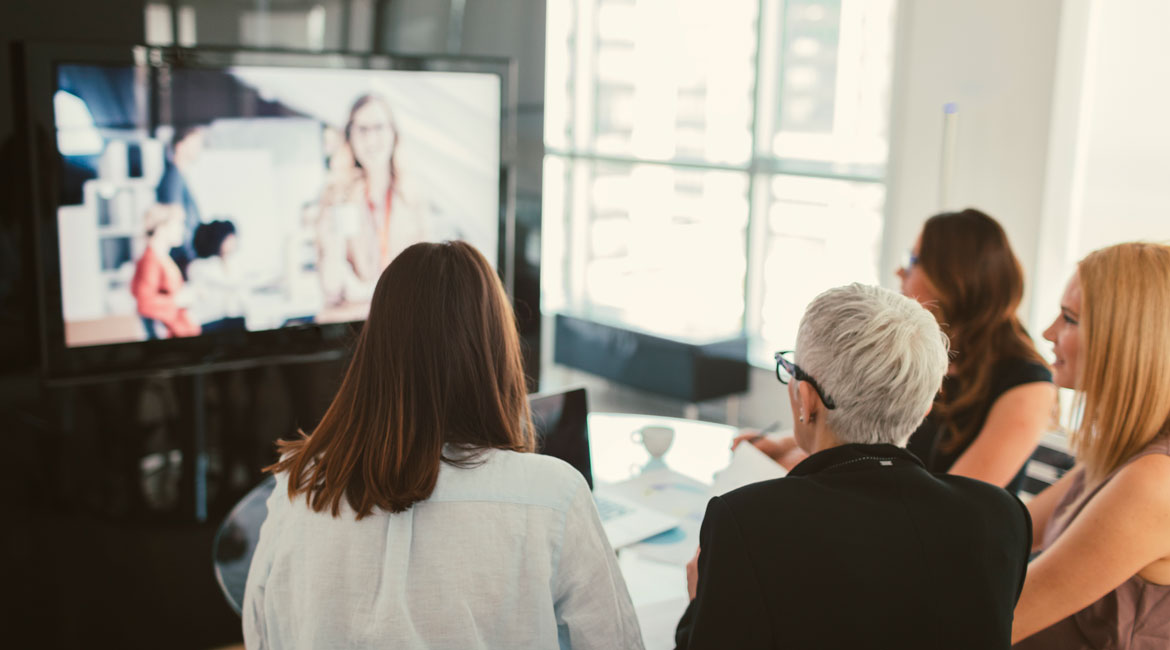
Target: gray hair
880, 355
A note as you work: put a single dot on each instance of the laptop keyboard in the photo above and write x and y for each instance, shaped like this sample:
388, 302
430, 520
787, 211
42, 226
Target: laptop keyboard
609, 509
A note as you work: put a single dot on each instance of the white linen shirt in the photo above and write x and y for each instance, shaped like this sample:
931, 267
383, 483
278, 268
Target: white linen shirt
508, 554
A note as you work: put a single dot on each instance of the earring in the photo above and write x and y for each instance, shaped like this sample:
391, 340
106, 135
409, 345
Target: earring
802, 418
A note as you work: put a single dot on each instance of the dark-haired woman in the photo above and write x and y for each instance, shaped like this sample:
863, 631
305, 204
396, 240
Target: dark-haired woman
998, 398
215, 279
413, 517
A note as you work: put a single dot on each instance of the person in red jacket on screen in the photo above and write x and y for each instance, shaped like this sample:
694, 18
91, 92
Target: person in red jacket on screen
158, 282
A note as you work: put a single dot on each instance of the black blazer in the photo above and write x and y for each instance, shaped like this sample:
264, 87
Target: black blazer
859, 547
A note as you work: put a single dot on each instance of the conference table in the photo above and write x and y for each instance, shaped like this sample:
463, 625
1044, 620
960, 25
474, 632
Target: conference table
657, 586
699, 450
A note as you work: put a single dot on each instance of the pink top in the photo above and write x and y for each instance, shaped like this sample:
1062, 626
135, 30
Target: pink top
156, 281
1134, 616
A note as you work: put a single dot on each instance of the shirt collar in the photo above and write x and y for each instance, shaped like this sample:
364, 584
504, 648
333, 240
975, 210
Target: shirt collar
853, 454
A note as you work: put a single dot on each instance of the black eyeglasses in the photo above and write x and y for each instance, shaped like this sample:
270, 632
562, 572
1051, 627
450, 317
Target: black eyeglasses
786, 370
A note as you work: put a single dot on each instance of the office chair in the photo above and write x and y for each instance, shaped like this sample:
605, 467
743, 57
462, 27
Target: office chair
235, 542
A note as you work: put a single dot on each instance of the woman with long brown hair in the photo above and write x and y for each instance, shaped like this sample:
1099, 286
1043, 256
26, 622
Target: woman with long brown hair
1102, 578
413, 515
997, 399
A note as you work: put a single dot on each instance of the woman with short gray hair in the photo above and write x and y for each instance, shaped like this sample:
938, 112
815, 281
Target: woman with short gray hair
881, 352
906, 558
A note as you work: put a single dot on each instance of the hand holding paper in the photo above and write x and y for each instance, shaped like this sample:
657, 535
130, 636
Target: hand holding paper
748, 465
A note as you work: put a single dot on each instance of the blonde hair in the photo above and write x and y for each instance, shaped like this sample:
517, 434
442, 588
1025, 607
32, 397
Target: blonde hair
159, 215
1124, 371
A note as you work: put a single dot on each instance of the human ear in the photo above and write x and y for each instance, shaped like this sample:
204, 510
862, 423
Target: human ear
810, 402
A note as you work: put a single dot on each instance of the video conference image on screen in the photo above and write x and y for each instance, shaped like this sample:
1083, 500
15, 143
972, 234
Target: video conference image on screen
253, 198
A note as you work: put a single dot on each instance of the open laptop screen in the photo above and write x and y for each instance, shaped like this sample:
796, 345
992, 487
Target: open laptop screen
561, 421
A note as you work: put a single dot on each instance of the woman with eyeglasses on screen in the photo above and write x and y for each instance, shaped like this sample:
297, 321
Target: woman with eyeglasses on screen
859, 546
998, 399
1102, 578
365, 201
413, 516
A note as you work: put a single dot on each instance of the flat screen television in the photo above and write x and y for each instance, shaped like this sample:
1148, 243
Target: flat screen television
200, 207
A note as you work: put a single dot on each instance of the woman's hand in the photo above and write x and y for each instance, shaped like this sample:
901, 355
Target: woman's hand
784, 450
185, 297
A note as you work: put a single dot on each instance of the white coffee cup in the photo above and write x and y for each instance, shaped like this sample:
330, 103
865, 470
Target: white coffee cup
657, 439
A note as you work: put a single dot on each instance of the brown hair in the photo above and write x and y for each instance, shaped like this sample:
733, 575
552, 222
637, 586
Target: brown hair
437, 362
979, 284
1124, 370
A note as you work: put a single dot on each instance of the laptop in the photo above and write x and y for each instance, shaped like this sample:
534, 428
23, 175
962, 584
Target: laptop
562, 431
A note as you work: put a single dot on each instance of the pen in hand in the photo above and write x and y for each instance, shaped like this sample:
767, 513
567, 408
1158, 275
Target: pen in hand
775, 426
753, 438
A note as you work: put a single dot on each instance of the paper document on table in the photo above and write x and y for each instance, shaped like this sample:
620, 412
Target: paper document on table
663, 490
748, 465
674, 494
675, 547
650, 581
658, 622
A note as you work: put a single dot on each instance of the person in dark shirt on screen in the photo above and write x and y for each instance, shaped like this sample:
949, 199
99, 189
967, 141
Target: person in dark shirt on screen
186, 147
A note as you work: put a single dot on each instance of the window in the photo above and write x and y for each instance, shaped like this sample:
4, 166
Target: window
291, 24
711, 167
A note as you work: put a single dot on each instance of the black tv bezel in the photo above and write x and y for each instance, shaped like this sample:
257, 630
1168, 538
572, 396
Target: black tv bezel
63, 364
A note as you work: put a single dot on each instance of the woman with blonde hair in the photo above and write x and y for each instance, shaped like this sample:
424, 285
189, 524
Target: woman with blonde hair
414, 516
158, 285
1102, 579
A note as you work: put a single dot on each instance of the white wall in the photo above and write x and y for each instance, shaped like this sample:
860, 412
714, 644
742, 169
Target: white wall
996, 59
1127, 177
1109, 158
1063, 129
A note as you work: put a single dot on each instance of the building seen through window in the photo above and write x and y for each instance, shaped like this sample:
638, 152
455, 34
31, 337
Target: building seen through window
702, 157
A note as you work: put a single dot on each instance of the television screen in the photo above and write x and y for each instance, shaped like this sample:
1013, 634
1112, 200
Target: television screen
197, 201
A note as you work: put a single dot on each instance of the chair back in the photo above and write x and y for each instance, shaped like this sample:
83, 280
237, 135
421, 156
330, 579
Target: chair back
1048, 463
236, 539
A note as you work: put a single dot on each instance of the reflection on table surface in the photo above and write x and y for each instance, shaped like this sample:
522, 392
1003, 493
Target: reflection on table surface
699, 449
